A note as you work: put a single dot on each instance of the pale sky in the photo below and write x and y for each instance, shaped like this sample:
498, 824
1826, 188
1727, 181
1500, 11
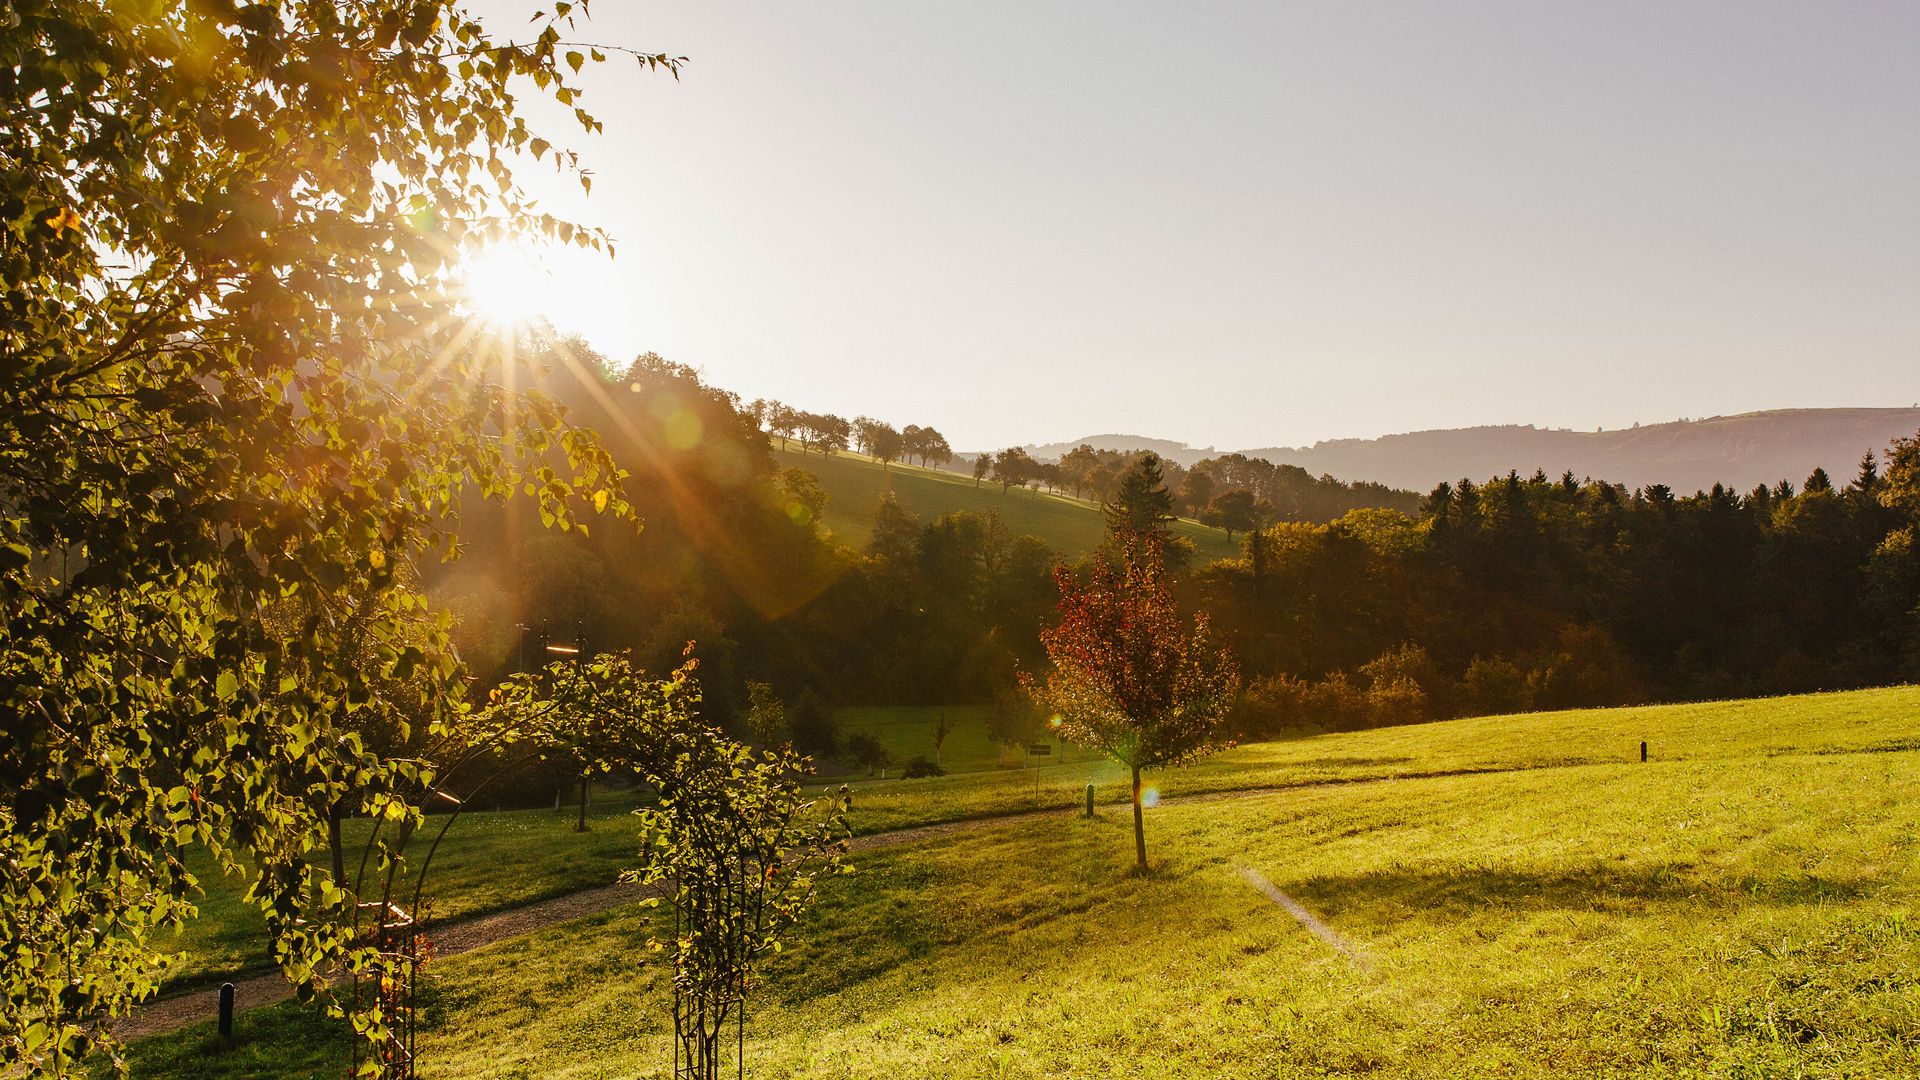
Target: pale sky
1259, 224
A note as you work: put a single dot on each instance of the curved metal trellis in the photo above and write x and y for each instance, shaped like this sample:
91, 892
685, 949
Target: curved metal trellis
398, 931
715, 905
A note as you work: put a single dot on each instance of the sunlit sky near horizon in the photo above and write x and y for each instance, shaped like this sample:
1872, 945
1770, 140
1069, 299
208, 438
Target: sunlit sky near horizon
1247, 225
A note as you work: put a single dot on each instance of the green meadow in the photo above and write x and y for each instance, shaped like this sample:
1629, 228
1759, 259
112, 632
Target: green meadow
855, 485
1520, 896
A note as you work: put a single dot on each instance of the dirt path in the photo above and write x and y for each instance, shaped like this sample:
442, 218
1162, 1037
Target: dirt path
464, 935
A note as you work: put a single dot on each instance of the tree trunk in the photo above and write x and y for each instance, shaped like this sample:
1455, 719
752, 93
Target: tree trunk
1255, 550
582, 826
1139, 824
334, 814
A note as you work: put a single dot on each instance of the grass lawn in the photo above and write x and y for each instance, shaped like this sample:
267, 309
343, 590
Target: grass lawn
496, 860
907, 732
490, 861
855, 484
1865, 720
1526, 900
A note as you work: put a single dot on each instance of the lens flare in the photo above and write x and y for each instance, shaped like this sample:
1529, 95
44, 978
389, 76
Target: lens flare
1150, 797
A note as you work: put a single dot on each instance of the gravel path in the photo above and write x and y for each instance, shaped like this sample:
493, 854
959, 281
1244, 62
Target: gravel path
449, 938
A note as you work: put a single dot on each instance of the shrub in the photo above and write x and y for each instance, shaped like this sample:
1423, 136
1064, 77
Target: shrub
1337, 704
1272, 706
919, 767
1285, 704
1589, 668
1400, 686
1404, 663
1492, 686
1398, 700
814, 731
865, 750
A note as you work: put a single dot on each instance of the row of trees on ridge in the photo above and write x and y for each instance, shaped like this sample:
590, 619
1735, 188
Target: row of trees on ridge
1233, 492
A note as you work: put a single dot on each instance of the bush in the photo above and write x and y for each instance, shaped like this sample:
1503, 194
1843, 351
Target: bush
865, 750
1493, 686
920, 767
1270, 707
1589, 668
1400, 686
1395, 701
814, 731
1337, 704
1285, 704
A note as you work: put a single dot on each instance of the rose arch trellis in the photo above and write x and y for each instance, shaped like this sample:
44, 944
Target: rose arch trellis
733, 845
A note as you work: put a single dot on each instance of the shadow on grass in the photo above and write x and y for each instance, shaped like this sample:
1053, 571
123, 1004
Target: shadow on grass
1463, 891
289, 1040
1895, 746
1348, 762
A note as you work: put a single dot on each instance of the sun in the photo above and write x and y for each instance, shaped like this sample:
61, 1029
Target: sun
507, 286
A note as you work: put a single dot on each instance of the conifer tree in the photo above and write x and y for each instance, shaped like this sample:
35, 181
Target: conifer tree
1868, 478
1141, 504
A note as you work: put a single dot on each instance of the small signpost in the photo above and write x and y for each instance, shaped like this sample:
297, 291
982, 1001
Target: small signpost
1038, 750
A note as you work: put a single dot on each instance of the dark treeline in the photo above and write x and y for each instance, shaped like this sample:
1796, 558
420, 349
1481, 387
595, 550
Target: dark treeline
1505, 595
1238, 493
1537, 593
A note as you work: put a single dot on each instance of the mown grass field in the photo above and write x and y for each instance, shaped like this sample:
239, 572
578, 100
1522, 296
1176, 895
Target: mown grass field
907, 731
497, 860
1525, 899
855, 485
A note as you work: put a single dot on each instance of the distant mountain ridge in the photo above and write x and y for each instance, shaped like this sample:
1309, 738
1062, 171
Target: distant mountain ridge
1686, 455
1166, 448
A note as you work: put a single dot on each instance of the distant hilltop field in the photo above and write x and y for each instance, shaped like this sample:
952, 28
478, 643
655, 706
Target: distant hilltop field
1686, 455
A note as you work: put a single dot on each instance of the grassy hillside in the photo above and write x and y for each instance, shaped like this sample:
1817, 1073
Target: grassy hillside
1521, 896
855, 486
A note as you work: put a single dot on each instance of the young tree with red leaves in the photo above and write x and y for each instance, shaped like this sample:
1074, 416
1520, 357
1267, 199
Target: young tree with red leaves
1131, 677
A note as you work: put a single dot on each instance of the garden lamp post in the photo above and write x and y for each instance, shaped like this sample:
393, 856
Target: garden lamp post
576, 652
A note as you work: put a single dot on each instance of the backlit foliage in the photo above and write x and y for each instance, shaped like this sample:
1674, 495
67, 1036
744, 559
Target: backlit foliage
1131, 676
734, 843
234, 380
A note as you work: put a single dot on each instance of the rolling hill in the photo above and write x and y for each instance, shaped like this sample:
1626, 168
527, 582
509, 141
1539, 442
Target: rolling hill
1686, 455
855, 485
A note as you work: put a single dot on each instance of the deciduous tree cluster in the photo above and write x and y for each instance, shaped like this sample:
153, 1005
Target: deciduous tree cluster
235, 402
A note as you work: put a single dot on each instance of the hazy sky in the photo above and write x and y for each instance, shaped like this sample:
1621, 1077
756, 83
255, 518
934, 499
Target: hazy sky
1259, 224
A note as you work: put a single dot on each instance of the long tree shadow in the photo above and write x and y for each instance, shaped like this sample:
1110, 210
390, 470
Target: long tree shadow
1337, 761
1595, 887
1892, 746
